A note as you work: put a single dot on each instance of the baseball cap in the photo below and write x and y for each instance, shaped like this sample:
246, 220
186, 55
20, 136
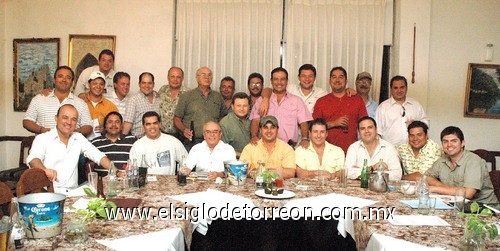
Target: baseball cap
364, 75
268, 119
96, 74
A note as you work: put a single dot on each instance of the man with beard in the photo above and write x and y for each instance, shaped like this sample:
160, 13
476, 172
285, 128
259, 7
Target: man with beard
372, 148
363, 86
255, 85
226, 89
113, 143
276, 154
340, 111
460, 169
160, 150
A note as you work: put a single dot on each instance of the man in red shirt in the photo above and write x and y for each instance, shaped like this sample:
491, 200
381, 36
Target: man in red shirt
340, 111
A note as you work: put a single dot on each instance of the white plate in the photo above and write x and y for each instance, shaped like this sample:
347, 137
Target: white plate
285, 195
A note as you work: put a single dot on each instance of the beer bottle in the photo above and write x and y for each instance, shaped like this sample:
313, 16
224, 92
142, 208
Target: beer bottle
365, 174
17, 234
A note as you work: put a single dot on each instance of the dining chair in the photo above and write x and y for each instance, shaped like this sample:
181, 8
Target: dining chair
495, 180
5, 198
487, 156
13, 174
33, 180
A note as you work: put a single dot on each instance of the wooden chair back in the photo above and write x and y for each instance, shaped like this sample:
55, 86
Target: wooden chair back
33, 180
495, 180
5, 198
487, 156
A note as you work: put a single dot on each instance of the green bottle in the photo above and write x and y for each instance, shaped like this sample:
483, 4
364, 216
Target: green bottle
365, 175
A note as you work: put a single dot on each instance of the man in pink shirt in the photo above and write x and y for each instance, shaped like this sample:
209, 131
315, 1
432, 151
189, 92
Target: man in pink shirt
289, 109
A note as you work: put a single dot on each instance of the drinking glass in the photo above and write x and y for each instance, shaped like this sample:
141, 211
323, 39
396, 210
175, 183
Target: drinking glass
92, 181
405, 185
423, 205
460, 199
432, 205
343, 177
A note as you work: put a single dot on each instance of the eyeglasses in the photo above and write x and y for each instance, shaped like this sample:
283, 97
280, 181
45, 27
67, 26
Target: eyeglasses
255, 84
206, 75
403, 112
212, 132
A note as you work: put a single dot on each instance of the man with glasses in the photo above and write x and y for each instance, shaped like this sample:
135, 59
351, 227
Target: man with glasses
255, 85
363, 86
396, 113
208, 156
197, 107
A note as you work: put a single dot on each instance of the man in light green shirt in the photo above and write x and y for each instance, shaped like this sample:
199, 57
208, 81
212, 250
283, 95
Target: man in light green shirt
419, 153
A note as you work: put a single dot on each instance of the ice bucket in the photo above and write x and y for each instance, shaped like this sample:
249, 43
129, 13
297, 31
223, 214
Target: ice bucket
42, 214
236, 171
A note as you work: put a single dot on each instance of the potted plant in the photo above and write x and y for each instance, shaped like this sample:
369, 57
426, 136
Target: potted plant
476, 229
269, 178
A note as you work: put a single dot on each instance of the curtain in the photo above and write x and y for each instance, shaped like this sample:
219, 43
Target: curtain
232, 37
329, 33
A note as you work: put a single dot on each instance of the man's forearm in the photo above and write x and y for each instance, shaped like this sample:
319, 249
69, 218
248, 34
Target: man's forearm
33, 127
126, 127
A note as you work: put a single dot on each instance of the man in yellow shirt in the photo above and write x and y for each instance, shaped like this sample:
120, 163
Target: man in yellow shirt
277, 155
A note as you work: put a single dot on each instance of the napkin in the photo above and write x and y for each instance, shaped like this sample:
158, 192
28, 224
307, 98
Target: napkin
439, 204
167, 239
387, 243
418, 220
72, 192
81, 203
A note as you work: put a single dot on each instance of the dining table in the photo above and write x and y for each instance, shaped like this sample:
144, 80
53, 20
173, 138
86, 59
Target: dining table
163, 191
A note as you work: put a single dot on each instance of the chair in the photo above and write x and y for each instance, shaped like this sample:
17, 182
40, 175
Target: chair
5, 198
33, 180
495, 180
15, 173
487, 156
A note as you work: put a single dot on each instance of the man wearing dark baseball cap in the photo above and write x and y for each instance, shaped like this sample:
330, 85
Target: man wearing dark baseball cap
277, 155
363, 86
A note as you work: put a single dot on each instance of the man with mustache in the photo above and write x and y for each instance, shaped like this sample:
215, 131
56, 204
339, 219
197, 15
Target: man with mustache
113, 143
363, 86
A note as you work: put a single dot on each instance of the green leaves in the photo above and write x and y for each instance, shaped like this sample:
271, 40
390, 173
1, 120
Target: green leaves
95, 207
476, 224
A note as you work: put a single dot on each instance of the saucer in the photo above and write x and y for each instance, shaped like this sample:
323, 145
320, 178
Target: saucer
285, 195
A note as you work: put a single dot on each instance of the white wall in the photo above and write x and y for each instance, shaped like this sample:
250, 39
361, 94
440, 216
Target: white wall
143, 32
450, 34
460, 30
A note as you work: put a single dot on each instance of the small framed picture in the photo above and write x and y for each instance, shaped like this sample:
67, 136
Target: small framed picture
482, 95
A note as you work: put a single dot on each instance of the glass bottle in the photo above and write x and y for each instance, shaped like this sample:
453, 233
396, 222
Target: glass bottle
17, 234
365, 175
182, 175
259, 177
424, 188
191, 127
112, 180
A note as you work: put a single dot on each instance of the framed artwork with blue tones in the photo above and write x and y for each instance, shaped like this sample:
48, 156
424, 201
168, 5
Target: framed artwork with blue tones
482, 96
35, 61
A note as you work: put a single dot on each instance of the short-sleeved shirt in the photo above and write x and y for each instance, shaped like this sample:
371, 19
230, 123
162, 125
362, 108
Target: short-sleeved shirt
357, 153
471, 171
331, 108
137, 105
120, 104
101, 109
282, 155
426, 157
43, 109
309, 100
206, 161
160, 154
117, 151
391, 123
48, 148
194, 106
307, 158
235, 131
167, 108
291, 112
83, 80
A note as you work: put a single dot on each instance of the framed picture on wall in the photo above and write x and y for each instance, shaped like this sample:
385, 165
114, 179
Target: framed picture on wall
482, 95
83, 50
35, 61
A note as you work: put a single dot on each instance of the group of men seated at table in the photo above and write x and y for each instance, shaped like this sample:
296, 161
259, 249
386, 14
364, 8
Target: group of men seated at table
270, 138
